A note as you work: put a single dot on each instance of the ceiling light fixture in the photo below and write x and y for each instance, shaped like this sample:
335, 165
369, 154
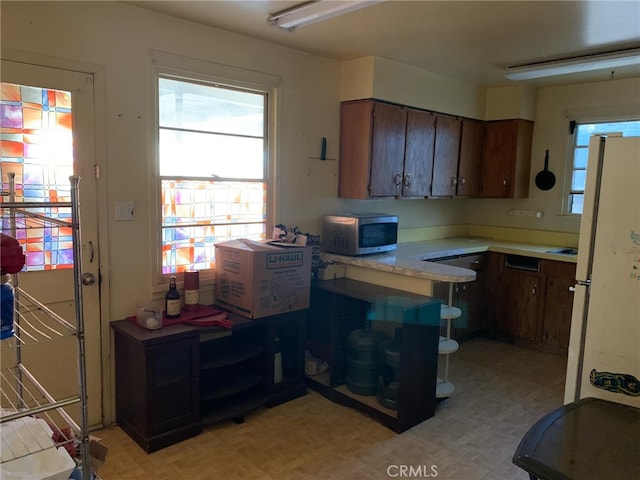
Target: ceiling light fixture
314, 11
587, 63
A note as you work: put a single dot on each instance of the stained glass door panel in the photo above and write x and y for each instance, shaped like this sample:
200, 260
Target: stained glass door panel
37, 146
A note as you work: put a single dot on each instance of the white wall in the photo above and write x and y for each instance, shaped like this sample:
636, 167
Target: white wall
384, 79
556, 106
518, 101
118, 37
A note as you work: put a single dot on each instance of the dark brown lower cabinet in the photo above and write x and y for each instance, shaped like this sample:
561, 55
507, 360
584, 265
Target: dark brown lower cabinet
518, 304
157, 400
530, 301
341, 306
558, 304
470, 297
173, 381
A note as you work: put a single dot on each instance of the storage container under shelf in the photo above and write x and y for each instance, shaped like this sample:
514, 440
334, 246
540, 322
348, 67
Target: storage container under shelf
342, 305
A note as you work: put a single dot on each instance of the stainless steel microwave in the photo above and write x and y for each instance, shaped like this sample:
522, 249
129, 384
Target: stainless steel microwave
359, 233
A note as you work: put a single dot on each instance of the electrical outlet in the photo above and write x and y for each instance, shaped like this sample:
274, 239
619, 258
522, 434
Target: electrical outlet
527, 213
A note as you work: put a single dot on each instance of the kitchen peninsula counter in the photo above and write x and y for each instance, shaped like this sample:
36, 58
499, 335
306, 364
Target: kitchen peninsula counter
419, 259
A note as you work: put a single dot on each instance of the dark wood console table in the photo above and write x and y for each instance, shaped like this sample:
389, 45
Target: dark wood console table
585, 440
172, 381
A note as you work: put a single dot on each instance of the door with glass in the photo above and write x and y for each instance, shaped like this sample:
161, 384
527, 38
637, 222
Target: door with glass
47, 133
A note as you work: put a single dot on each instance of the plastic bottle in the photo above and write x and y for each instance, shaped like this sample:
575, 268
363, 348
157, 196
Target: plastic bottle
11, 261
7, 307
277, 362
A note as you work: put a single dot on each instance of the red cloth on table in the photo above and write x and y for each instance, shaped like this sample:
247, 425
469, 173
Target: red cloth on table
204, 316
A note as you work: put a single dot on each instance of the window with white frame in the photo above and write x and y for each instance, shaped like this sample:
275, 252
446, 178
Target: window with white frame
213, 164
582, 132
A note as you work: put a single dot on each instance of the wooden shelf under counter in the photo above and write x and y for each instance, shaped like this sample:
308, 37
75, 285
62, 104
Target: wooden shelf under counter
342, 305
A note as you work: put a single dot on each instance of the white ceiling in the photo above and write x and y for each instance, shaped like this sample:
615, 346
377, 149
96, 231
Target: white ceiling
471, 41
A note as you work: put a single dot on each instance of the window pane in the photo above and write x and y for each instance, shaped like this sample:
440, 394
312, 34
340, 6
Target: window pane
580, 157
209, 108
197, 214
215, 136
584, 134
628, 129
581, 154
576, 200
209, 202
207, 155
193, 247
578, 180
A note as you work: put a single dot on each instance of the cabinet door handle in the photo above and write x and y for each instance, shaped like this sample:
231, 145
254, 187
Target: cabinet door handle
398, 179
407, 180
572, 288
504, 182
462, 180
454, 181
534, 290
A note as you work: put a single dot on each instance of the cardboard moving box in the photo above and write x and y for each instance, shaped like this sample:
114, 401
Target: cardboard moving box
258, 279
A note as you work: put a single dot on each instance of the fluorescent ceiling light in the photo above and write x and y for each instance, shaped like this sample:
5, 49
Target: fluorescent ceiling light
314, 11
622, 58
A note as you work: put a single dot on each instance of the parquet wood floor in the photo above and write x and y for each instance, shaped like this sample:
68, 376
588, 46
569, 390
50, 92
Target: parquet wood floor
501, 390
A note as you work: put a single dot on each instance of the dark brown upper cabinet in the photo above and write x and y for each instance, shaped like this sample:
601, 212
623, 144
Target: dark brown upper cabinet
418, 155
507, 158
445, 157
471, 159
386, 150
457, 170
389, 150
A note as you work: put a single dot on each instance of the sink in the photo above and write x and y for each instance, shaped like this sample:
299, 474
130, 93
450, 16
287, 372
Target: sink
564, 251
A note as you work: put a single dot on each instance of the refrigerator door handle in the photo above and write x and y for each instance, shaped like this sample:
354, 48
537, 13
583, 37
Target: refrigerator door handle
583, 283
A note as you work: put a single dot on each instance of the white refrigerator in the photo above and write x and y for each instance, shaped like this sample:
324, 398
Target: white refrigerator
604, 348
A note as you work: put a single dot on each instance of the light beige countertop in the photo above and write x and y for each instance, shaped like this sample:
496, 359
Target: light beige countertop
418, 259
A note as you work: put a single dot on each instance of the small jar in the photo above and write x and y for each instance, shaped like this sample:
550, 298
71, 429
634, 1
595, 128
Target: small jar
149, 316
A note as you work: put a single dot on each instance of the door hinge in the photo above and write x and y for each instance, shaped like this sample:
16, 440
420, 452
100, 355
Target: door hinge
96, 171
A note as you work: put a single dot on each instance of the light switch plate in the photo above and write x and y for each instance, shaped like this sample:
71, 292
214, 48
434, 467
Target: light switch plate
124, 211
